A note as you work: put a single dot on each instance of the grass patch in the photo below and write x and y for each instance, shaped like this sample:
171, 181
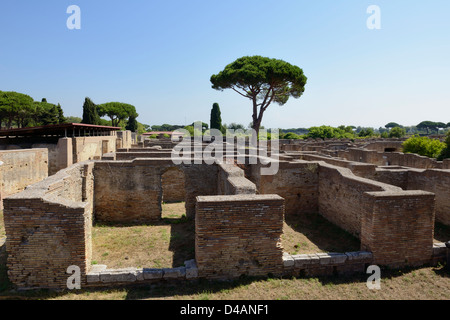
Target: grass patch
311, 233
428, 284
166, 244
145, 245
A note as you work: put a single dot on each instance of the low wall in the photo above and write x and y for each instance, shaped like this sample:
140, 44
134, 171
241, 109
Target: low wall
297, 182
342, 196
92, 148
131, 191
173, 185
239, 235
231, 181
48, 228
390, 158
437, 182
21, 168
397, 227
127, 192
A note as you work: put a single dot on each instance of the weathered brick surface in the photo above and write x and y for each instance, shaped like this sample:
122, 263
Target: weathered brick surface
342, 196
296, 182
438, 182
48, 229
173, 185
322, 264
21, 168
127, 193
231, 180
398, 227
238, 235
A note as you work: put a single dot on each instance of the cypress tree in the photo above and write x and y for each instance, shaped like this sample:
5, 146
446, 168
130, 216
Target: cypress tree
61, 118
216, 119
90, 115
132, 124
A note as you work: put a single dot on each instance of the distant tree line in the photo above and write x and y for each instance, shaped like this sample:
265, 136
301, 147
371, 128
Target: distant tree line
18, 110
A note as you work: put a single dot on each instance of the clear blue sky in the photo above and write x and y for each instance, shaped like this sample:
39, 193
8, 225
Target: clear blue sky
160, 55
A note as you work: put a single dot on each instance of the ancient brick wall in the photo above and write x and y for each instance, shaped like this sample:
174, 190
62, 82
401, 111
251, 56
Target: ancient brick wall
173, 185
437, 182
21, 168
48, 229
390, 158
397, 227
238, 235
231, 180
342, 196
127, 192
131, 191
92, 148
296, 182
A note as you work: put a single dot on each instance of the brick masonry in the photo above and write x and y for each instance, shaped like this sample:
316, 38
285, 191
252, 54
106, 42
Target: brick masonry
48, 229
239, 235
21, 168
48, 225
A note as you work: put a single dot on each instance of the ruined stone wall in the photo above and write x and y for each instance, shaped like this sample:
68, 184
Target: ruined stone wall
397, 227
231, 180
130, 155
125, 138
92, 148
239, 235
21, 168
131, 191
48, 229
127, 192
437, 182
390, 158
173, 185
297, 182
342, 196
394, 176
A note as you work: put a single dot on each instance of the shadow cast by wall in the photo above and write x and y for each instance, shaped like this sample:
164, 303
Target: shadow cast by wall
325, 235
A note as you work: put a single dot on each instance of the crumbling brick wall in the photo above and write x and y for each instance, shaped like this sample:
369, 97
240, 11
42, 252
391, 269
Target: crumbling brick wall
127, 192
297, 182
173, 185
231, 180
342, 195
397, 227
239, 235
21, 168
48, 229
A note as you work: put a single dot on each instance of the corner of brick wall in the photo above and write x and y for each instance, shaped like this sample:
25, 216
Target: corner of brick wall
239, 235
398, 227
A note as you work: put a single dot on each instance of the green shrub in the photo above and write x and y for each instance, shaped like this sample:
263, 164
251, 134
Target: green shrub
154, 136
397, 132
424, 146
291, 136
445, 154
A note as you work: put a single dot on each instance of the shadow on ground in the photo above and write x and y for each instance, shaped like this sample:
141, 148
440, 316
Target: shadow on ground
441, 232
325, 235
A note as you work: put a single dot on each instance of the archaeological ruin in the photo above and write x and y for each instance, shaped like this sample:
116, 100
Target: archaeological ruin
388, 200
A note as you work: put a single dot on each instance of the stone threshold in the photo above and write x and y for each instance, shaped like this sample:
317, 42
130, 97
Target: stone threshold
100, 274
326, 259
